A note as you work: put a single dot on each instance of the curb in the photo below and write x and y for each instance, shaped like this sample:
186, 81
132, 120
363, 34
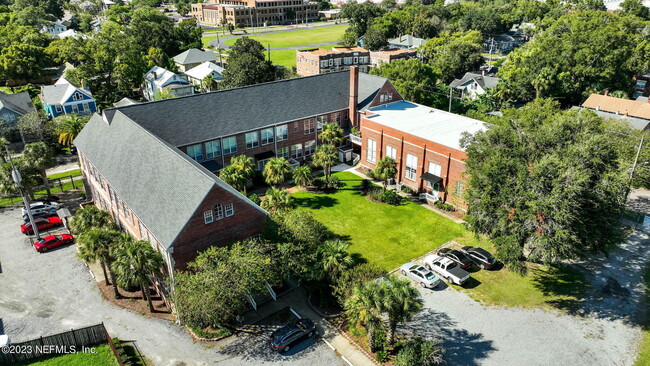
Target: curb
337, 352
356, 345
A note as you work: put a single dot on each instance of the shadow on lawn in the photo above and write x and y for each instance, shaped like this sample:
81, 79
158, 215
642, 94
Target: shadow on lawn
316, 202
562, 281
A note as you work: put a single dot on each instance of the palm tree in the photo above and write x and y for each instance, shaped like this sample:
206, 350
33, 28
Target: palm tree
386, 169
69, 127
276, 171
209, 83
233, 177
400, 302
135, 262
325, 157
245, 165
363, 308
4, 144
89, 217
302, 176
276, 200
97, 245
39, 156
334, 258
331, 134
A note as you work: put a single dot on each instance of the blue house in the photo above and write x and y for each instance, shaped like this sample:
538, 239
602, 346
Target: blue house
66, 98
12, 106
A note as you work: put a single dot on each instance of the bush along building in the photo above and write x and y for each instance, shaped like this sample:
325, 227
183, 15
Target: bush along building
152, 165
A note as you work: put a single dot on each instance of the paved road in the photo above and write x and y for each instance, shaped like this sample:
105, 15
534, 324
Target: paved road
606, 331
47, 293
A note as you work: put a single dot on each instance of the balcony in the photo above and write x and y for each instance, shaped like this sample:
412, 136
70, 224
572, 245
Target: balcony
355, 139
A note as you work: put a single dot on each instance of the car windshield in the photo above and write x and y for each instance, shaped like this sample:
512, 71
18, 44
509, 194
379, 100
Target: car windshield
451, 266
42, 241
430, 276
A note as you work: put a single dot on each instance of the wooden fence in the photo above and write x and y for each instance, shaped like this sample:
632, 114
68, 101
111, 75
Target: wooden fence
63, 183
67, 342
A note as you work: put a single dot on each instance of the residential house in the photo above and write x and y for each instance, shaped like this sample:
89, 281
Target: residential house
124, 102
151, 164
12, 106
66, 98
96, 25
320, 61
505, 42
406, 41
55, 28
106, 4
254, 13
71, 33
425, 143
158, 79
197, 74
390, 55
471, 85
193, 58
637, 113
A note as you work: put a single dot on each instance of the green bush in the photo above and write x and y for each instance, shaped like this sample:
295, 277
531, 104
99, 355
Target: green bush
381, 356
407, 190
391, 197
365, 186
444, 206
255, 198
418, 352
375, 193
357, 332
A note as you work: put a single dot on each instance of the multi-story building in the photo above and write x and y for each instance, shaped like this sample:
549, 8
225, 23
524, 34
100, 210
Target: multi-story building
320, 61
390, 55
159, 80
425, 143
151, 164
254, 13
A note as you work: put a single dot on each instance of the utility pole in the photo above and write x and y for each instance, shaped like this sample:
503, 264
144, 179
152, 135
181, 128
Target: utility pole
636, 161
450, 90
15, 174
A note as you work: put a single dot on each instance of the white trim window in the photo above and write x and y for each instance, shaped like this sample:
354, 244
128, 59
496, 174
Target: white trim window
283, 152
282, 132
460, 186
296, 151
195, 152
391, 152
436, 170
58, 108
411, 167
207, 217
77, 96
310, 126
252, 140
218, 212
310, 147
230, 210
230, 145
267, 136
371, 151
212, 149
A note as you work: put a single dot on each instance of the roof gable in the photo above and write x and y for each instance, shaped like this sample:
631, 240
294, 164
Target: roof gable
19, 103
62, 91
618, 105
193, 56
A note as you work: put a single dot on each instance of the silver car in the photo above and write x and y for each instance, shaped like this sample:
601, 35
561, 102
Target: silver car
42, 207
420, 274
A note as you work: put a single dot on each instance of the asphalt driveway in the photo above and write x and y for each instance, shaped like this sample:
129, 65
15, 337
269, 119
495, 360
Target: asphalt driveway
48, 293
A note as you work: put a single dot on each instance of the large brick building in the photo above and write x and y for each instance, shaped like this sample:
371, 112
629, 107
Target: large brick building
151, 164
390, 55
254, 13
425, 143
321, 61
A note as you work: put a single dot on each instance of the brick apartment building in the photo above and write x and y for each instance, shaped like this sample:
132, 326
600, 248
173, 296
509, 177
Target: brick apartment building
254, 13
151, 164
425, 143
321, 61
390, 55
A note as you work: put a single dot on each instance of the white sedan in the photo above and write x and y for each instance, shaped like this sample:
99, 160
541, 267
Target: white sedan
420, 275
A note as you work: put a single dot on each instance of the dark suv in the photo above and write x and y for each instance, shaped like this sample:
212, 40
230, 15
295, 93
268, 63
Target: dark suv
283, 338
463, 261
481, 257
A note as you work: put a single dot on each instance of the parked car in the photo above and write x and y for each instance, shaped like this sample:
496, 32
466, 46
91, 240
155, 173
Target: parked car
42, 223
446, 268
52, 241
457, 256
291, 333
41, 206
481, 257
39, 215
420, 274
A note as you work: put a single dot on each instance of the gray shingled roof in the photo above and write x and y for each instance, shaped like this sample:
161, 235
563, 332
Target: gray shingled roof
484, 81
202, 117
369, 86
20, 103
61, 91
162, 185
193, 56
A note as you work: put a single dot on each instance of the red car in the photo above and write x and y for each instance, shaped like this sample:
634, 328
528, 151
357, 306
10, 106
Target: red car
52, 241
42, 223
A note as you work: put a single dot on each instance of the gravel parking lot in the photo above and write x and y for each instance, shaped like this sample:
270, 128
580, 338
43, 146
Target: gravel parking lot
48, 293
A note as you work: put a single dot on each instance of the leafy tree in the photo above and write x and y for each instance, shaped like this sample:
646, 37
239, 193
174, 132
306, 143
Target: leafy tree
276, 171
98, 244
325, 157
151, 28
386, 169
334, 258
414, 80
156, 57
399, 301
36, 124
135, 261
331, 133
363, 308
276, 200
360, 15
40, 157
636, 8
52, 7
375, 39
453, 54
69, 127
30, 178
301, 227
239, 172
4, 145
349, 38
544, 184
353, 277
418, 352
626, 139
188, 35
209, 84
302, 175
247, 65
22, 61
89, 217
480, 16
183, 8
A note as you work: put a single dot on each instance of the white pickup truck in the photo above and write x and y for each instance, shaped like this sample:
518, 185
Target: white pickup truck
446, 268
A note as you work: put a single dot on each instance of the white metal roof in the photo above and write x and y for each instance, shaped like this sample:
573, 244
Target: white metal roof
428, 123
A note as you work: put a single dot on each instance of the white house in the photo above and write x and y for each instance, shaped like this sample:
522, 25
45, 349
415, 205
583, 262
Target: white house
158, 79
472, 85
193, 58
197, 74
55, 28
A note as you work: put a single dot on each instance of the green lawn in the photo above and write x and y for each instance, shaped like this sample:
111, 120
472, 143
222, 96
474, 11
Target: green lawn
298, 37
67, 185
392, 235
644, 349
103, 356
74, 173
288, 57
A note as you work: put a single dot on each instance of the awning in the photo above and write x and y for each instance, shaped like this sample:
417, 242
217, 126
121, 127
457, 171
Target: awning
265, 155
431, 178
211, 165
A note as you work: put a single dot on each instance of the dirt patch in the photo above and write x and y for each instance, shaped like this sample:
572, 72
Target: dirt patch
133, 301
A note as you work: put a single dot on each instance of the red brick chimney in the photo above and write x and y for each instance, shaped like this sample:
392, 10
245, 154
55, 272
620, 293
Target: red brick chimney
354, 95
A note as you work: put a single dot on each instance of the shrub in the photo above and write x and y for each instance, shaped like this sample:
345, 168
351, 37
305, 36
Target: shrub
407, 190
255, 198
319, 183
391, 197
380, 341
375, 193
357, 332
355, 276
381, 356
365, 186
333, 183
419, 352
444, 206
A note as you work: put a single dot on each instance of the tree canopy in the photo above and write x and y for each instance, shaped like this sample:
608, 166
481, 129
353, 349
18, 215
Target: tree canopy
414, 80
247, 64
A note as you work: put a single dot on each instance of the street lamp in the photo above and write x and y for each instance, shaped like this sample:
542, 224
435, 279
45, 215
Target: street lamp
15, 175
